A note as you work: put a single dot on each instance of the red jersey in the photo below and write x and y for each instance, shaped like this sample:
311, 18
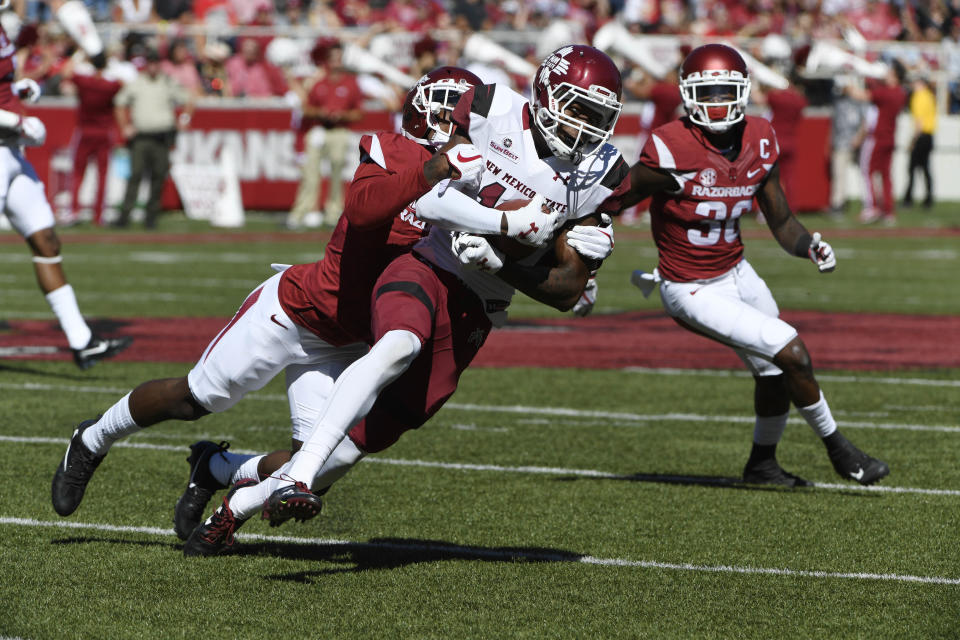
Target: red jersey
95, 102
697, 227
889, 101
337, 95
331, 297
8, 101
786, 106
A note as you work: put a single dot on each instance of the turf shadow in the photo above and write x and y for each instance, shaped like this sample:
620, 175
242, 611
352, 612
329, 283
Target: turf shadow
389, 553
721, 482
715, 482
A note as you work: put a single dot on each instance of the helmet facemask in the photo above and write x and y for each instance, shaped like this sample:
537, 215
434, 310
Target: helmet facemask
436, 102
715, 100
576, 122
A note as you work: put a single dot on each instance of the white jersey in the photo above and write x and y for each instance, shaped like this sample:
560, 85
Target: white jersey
498, 121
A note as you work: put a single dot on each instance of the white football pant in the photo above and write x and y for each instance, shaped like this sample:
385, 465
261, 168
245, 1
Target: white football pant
736, 309
260, 342
22, 195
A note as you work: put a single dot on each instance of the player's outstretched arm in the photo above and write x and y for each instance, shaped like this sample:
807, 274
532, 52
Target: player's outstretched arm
789, 232
787, 229
376, 194
644, 182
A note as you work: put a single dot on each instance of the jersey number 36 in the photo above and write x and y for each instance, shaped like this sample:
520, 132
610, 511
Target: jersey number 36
717, 222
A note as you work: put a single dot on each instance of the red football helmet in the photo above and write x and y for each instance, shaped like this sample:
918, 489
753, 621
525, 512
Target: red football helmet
715, 86
435, 93
572, 82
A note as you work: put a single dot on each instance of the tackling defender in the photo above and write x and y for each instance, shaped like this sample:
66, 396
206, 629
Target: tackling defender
310, 321
433, 309
703, 172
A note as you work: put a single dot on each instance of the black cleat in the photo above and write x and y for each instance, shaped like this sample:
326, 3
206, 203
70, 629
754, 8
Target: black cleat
769, 471
99, 348
293, 501
74, 472
215, 536
853, 464
201, 486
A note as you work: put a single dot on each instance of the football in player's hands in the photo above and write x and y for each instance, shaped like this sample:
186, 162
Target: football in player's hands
510, 247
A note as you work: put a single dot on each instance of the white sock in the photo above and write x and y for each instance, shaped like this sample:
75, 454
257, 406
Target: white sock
343, 458
819, 417
224, 464
767, 430
352, 396
116, 423
247, 470
248, 501
64, 305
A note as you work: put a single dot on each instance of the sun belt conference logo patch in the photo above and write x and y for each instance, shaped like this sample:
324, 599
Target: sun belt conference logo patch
708, 177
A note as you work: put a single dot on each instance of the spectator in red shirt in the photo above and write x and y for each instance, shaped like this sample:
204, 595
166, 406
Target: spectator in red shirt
888, 98
181, 66
252, 76
786, 112
95, 133
662, 102
330, 101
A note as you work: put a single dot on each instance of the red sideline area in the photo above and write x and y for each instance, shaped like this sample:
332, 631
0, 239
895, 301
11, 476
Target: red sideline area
636, 339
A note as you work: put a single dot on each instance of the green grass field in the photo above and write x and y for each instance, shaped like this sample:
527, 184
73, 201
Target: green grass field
539, 504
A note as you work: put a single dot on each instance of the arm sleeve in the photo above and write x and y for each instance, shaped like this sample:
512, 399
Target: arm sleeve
376, 195
450, 209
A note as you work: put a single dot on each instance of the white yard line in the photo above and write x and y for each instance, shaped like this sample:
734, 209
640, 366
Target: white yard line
496, 468
624, 418
828, 377
505, 556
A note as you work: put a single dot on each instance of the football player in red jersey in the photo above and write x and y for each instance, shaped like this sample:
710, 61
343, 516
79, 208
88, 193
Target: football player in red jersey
433, 308
310, 321
703, 172
24, 201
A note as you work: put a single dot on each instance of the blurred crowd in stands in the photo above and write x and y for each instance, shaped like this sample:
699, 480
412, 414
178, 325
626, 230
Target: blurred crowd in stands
921, 20
219, 47
323, 56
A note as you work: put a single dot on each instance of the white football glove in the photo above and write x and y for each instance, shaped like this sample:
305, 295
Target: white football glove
587, 299
32, 132
475, 253
467, 164
26, 89
822, 254
530, 225
593, 243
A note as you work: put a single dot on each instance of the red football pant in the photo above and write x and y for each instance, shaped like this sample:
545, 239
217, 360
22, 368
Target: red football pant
452, 325
879, 158
91, 145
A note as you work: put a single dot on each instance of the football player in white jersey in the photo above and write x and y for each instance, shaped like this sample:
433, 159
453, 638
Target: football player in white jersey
24, 201
703, 172
433, 308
